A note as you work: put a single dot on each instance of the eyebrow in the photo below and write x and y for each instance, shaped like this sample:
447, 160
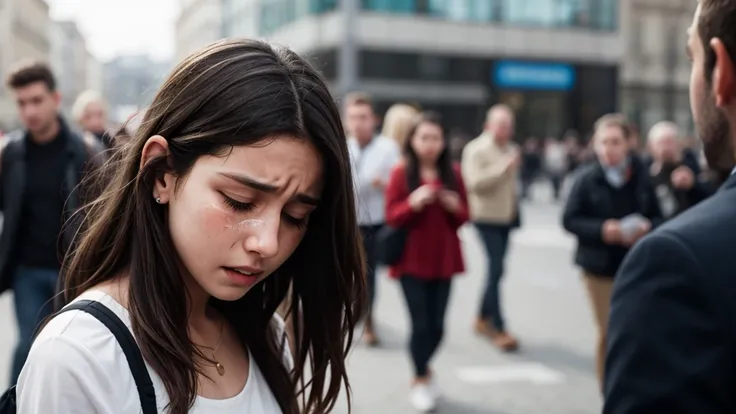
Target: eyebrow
268, 188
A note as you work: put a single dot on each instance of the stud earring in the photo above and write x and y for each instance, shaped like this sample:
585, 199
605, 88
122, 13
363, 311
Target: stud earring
158, 200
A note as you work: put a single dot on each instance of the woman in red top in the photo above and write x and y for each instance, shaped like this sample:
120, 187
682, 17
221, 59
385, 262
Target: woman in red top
426, 196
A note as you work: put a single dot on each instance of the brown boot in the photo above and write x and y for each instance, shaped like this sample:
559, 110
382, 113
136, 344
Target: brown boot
505, 342
500, 339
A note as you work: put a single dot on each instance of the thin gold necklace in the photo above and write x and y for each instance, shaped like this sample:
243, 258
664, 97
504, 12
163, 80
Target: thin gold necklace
220, 368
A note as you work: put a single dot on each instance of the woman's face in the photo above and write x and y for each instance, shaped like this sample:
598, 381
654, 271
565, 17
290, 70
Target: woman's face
235, 219
428, 142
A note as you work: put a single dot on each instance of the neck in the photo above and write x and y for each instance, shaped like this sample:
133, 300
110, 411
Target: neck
197, 300
427, 165
47, 135
364, 141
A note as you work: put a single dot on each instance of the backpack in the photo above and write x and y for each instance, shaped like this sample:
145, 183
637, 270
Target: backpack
132, 353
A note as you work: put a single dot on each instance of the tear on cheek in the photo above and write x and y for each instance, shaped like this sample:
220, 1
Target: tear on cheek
229, 220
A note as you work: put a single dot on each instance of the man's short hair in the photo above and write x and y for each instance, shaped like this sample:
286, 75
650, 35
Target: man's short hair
358, 98
29, 72
717, 19
499, 108
663, 128
613, 120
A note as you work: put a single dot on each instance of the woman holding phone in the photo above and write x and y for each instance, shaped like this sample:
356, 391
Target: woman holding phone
426, 197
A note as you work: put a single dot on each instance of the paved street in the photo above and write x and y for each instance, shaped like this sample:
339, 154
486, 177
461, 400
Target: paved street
546, 307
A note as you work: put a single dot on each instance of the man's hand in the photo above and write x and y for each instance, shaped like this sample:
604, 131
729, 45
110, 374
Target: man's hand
611, 231
378, 183
683, 178
641, 231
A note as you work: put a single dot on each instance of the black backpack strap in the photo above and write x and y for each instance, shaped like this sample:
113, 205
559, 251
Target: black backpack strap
132, 353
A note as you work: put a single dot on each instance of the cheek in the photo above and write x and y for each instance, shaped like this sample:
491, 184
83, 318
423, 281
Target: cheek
697, 89
214, 221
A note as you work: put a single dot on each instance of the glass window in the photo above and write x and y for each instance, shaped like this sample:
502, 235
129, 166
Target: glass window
395, 6
593, 14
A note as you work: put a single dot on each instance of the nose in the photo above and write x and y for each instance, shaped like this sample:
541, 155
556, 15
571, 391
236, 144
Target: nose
264, 238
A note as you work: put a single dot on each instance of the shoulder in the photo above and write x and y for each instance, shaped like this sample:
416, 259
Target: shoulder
398, 172
472, 145
587, 174
13, 145
387, 144
76, 352
708, 226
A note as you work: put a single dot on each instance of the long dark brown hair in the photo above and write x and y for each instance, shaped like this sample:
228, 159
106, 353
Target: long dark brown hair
234, 92
444, 161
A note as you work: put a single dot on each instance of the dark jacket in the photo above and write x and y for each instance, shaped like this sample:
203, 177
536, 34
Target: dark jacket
671, 335
592, 201
82, 159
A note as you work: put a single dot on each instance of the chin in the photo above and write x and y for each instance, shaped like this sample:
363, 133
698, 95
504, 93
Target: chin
229, 293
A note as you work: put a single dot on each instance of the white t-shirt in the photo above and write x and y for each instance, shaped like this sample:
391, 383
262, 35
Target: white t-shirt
76, 366
376, 160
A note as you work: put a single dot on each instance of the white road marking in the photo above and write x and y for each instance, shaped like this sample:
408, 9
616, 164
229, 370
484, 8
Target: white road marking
543, 237
526, 372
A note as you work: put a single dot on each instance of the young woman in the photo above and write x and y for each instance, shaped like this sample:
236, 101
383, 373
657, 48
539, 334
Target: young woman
235, 190
426, 196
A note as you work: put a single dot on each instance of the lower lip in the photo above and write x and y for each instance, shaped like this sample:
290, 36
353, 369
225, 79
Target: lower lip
241, 279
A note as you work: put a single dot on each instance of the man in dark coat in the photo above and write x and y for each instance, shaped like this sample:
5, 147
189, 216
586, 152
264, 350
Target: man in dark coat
40, 171
671, 337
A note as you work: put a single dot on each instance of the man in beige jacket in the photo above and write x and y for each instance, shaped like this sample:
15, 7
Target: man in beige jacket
490, 165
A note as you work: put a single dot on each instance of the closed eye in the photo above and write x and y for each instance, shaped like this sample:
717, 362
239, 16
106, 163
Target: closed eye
236, 205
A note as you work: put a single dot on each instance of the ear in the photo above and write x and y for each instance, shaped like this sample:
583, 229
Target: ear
157, 147
723, 76
56, 97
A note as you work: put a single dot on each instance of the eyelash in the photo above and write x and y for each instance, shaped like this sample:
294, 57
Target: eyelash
239, 207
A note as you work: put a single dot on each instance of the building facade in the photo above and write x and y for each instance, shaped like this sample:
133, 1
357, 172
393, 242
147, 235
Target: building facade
130, 83
198, 24
24, 34
555, 62
655, 71
70, 62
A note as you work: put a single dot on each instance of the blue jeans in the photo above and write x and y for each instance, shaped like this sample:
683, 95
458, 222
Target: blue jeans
495, 240
33, 290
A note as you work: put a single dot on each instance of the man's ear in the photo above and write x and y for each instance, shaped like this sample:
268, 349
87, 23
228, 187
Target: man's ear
723, 76
154, 148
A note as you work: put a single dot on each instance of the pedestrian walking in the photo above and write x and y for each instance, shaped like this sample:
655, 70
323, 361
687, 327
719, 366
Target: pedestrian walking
610, 207
426, 199
373, 157
674, 173
90, 113
671, 340
41, 171
490, 166
235, 190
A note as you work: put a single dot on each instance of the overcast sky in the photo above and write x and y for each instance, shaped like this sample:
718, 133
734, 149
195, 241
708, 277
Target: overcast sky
115, 27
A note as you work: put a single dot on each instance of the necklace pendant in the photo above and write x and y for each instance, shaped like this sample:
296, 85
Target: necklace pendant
220, 369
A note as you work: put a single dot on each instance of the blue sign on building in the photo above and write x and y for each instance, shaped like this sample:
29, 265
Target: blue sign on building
532, 75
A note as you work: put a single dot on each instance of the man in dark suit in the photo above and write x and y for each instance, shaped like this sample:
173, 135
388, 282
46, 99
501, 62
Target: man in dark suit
672, 330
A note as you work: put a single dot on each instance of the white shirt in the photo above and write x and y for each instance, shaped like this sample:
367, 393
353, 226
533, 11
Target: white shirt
77, 367
375, 160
